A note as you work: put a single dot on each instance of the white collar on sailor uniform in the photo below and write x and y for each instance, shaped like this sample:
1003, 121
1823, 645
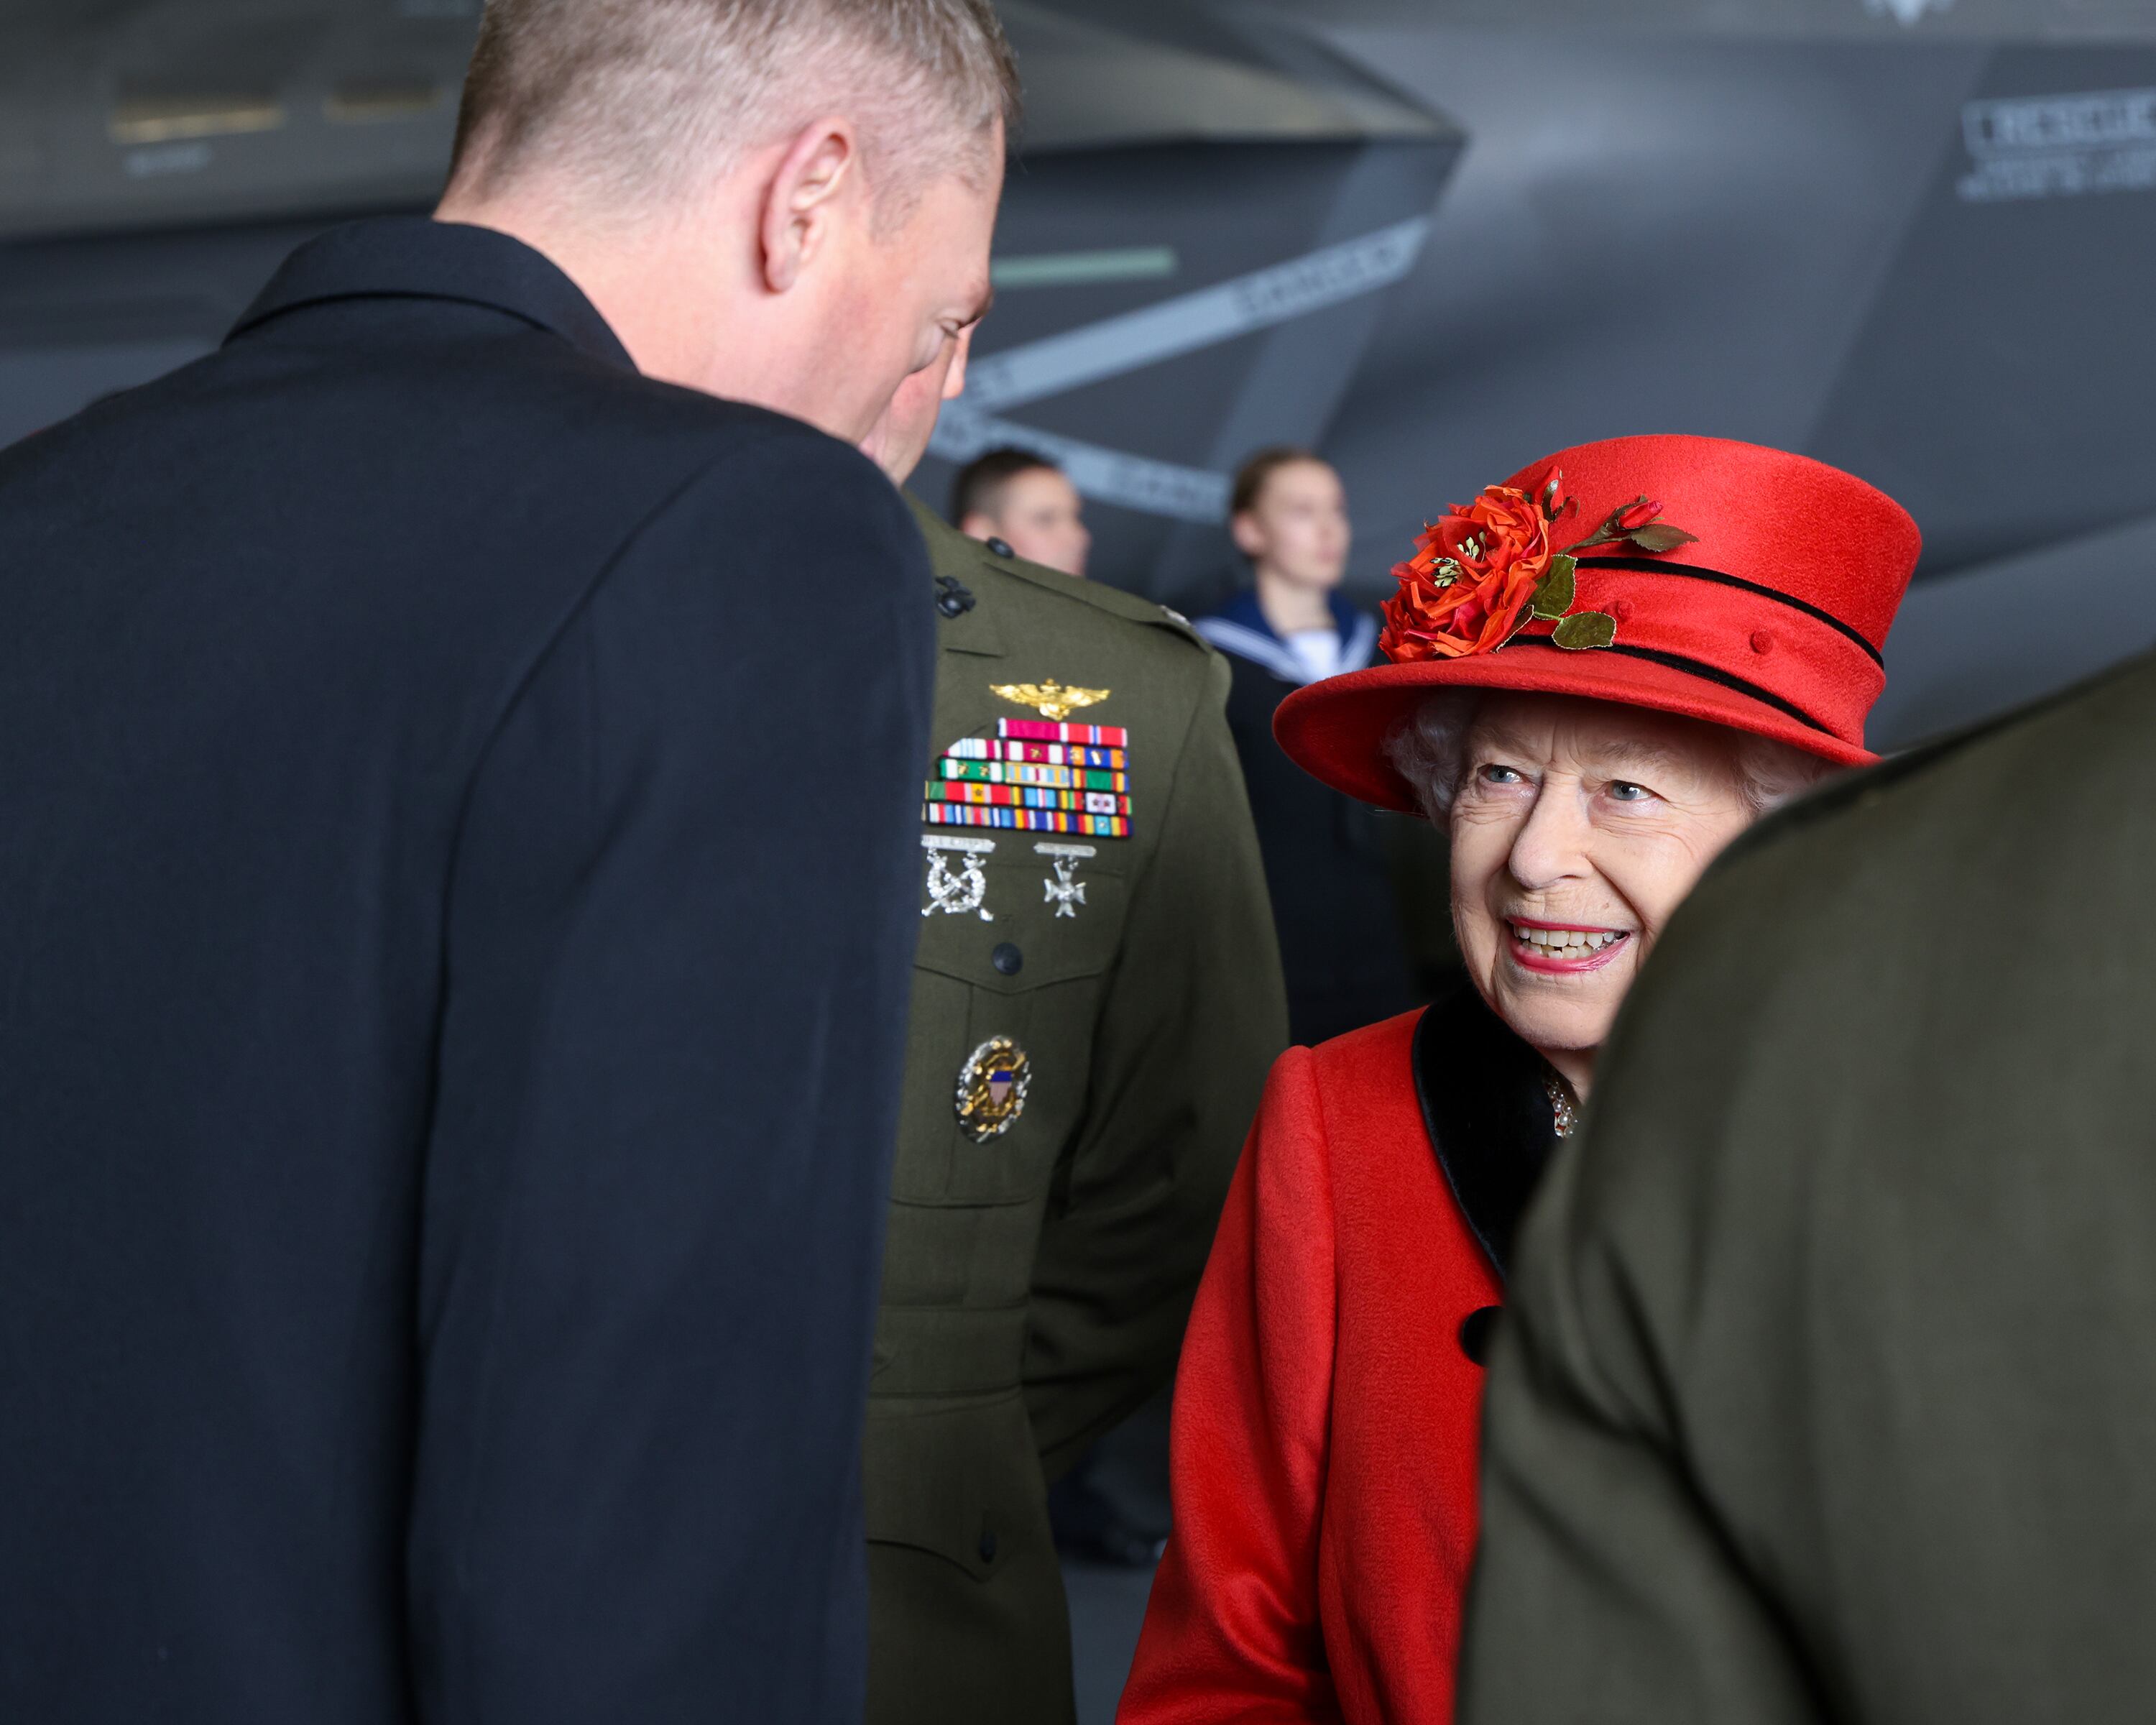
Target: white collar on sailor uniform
1266, 650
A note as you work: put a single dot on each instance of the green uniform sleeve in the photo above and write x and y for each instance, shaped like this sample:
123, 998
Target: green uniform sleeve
1189, 1025
1605, 1587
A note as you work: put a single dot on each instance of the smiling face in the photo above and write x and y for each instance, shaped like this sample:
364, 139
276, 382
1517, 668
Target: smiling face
1577, 827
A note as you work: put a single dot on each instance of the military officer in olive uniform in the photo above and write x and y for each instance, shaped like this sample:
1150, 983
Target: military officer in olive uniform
1097, 997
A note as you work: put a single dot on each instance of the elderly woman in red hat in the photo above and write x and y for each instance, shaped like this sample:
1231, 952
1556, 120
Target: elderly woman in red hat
1600, 672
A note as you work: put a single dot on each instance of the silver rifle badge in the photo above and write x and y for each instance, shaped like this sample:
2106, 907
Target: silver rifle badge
1066, 891
955, 890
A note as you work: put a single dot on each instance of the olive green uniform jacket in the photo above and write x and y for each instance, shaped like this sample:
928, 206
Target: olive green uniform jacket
1036, 1282
1829, 1388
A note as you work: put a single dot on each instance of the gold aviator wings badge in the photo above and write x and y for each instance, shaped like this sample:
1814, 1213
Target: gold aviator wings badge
1050, 699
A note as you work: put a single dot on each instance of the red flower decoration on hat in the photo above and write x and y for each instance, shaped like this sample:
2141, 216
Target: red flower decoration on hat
1485, 571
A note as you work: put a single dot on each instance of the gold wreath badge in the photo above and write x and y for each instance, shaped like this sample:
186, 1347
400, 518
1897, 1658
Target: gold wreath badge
991, 1087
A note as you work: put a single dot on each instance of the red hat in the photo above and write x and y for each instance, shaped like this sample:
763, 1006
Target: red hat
1745, 585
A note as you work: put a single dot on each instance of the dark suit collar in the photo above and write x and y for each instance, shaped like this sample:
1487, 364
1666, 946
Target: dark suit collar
1487, 1114
411, 257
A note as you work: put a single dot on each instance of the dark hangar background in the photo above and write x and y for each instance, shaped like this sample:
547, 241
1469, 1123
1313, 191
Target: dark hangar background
1434, 238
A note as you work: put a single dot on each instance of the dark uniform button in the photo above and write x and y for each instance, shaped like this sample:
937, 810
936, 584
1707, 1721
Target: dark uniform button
1476, 1332
1007, 958
952, 596
1001, 547
988, 1547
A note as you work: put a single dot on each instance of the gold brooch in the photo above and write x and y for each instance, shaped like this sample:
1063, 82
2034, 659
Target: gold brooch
1050, 699
991, 1087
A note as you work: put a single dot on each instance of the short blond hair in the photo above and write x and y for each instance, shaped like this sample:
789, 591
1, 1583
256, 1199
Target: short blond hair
628, 99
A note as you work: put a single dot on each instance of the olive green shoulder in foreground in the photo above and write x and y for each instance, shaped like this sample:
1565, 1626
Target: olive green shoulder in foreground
954, 553
1873, 785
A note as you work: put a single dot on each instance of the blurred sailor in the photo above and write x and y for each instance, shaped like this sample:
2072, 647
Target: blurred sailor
1342, 946
1022, 505
452, 1030
1096, 1003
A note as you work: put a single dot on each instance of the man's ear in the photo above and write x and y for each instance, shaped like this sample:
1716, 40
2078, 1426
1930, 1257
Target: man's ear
976, 526
1249, 537
820, 169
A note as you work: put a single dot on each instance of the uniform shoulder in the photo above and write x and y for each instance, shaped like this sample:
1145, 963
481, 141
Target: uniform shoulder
776, 502
2093, 728
750, 438
627, 445
767, 487
1977, 833
1831, 1013
1077, 604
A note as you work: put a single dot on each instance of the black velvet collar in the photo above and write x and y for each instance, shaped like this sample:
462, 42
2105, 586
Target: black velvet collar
413, 257
1487, 1113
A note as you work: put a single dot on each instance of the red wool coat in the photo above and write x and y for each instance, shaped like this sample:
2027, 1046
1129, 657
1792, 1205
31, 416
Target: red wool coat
1326, 1407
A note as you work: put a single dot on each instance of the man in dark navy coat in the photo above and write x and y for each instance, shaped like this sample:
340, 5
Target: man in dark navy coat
455, 941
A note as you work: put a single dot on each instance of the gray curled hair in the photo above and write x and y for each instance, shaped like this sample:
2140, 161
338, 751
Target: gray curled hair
1428, 749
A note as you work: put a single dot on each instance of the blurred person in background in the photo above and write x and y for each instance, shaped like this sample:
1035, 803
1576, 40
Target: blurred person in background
1342, 948
1022, 505
1097, 998
448, 1095
1599, 674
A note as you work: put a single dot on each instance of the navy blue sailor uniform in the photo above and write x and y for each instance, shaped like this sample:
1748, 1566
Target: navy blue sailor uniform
1342, 949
